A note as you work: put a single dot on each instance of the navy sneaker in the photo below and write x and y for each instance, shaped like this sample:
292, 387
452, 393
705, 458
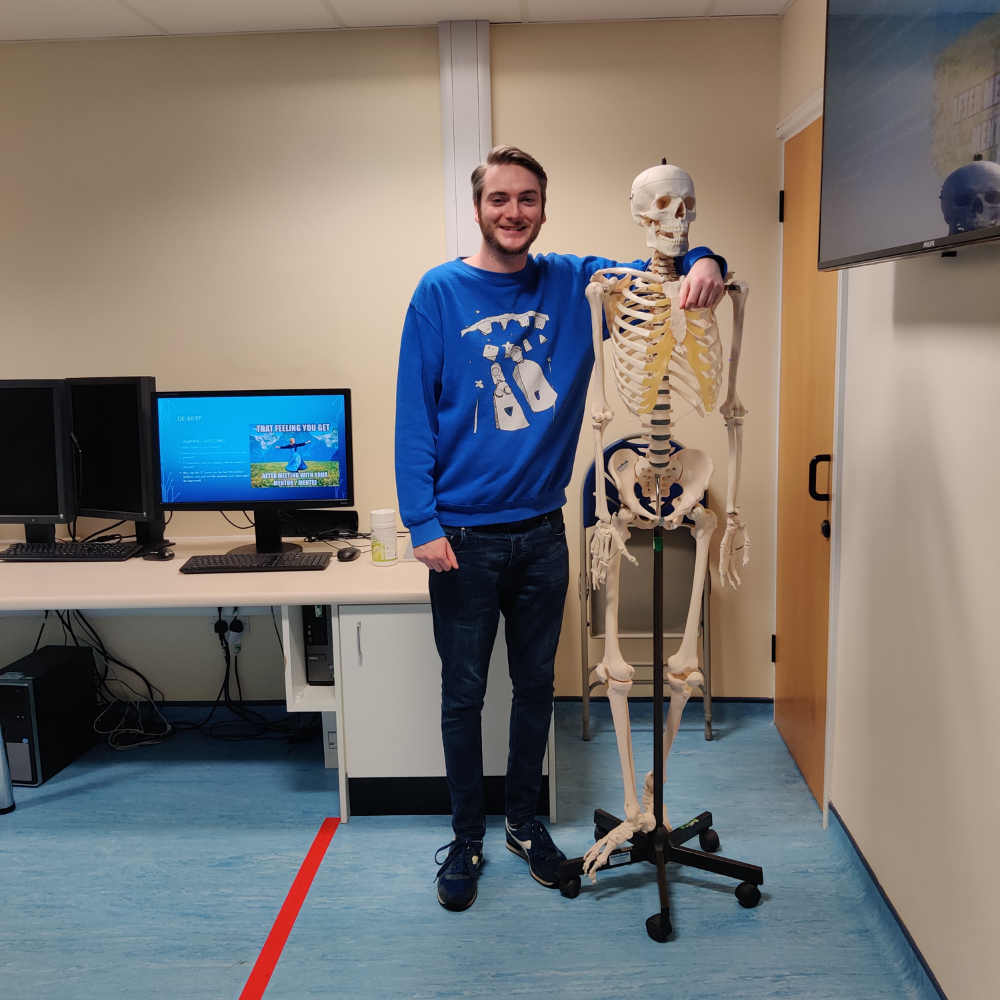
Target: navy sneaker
532, 842
457, 878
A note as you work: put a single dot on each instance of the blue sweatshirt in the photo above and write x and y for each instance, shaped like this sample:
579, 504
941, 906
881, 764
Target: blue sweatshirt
493, 377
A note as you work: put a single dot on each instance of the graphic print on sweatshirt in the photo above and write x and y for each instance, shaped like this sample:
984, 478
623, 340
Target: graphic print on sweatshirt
529, 376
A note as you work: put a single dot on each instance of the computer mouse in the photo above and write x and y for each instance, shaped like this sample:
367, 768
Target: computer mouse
348, 553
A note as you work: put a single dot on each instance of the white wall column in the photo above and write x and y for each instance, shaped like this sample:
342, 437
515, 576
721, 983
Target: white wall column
466, 125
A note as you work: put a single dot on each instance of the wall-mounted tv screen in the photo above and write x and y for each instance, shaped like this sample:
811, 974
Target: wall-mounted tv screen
911, 124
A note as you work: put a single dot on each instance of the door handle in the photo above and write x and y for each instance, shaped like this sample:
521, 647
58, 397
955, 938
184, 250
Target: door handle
360, 654
813, 462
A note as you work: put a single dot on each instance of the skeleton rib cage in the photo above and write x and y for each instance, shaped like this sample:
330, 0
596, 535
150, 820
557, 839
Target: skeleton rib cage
657, 349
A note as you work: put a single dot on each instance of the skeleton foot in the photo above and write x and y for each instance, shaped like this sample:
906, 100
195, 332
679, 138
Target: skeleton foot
597, 856
733, 541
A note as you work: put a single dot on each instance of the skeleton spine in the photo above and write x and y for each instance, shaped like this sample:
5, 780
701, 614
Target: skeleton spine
658, 452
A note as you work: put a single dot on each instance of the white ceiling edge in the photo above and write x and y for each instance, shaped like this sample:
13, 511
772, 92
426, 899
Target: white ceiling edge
379, 27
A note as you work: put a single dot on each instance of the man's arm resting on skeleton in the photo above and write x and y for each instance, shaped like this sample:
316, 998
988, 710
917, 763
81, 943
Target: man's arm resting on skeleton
735, 537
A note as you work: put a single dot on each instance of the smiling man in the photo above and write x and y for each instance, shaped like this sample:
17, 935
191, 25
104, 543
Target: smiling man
494, 366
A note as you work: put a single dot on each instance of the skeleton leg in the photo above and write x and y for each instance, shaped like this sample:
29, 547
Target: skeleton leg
683, 675
617, 674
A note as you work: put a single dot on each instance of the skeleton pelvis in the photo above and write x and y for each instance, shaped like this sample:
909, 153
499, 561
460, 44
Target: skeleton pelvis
688, 467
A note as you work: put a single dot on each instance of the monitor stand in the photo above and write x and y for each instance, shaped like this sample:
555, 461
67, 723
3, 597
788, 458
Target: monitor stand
45, 533
267, 528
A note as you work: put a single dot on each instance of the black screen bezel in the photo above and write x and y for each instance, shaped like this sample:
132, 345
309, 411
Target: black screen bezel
146, 387
65, 480
923, 247
348, 501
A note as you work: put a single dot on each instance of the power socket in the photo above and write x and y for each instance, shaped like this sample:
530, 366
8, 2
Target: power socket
233, 638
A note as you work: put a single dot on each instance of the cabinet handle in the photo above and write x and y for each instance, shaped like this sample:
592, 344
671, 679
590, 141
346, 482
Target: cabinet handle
813, 462
359, 644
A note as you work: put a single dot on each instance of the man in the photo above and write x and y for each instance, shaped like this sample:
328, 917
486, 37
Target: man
481, 472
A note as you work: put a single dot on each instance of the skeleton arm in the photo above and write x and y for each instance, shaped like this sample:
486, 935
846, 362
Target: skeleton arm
607, 542
735, 537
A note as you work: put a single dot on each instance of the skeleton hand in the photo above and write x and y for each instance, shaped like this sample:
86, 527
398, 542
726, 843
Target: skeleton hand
733, 540
597, 856
604, 546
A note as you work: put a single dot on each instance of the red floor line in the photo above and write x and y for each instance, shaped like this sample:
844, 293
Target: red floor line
271, 952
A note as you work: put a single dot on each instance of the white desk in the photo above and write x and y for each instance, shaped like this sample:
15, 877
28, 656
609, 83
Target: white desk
389, 694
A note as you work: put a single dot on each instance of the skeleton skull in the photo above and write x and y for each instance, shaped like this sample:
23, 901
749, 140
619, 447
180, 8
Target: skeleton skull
970, 197
663, 201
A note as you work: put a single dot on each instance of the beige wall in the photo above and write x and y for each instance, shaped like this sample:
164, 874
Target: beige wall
220, 213
577, 97
209, 210
803, 53
916, 754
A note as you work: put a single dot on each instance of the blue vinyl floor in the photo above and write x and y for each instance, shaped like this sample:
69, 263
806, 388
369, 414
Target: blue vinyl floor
157, 873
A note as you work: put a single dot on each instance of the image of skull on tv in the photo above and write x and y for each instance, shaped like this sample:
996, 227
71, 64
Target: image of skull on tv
911, 126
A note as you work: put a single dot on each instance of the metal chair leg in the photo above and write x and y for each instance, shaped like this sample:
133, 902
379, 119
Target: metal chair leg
706, 653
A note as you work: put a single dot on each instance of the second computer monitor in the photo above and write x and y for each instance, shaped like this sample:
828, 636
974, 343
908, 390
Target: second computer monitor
264, 451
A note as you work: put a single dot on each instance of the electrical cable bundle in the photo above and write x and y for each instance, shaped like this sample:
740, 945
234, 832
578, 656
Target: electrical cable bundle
247, 724
136, 720
127, 722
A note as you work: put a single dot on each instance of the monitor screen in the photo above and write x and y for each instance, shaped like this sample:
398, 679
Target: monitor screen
236, 450
29, 445
111, 427
910, 129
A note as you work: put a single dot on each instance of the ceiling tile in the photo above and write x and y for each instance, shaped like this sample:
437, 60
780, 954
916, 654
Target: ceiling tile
601, 10
383, 13
24, 20
207, 17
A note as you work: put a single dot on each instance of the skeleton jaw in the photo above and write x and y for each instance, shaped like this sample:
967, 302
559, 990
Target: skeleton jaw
672, 241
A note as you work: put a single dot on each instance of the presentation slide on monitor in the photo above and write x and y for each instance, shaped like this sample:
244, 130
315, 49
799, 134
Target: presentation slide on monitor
912, 123
248, 449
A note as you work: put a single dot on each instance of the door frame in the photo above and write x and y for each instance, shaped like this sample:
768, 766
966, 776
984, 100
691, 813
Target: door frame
802, 117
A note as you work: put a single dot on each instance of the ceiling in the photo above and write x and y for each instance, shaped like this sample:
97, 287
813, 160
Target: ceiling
34, 20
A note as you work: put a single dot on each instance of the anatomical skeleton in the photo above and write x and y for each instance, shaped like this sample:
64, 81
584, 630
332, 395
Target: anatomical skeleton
661, 355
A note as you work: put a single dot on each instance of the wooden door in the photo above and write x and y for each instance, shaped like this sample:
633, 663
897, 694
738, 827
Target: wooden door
808, 361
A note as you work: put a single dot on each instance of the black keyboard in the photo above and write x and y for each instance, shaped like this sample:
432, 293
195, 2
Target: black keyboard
71, 551
257, 562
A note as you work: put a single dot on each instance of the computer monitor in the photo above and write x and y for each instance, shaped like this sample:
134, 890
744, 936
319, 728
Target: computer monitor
112, 424
113, 431
36, 456
264, 451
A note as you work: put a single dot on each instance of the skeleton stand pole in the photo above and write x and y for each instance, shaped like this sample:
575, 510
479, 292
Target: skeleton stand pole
660, 834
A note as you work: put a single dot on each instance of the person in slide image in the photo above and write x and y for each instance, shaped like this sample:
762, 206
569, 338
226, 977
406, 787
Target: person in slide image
483, 498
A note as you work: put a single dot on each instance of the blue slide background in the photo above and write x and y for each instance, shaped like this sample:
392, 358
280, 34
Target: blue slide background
205, 447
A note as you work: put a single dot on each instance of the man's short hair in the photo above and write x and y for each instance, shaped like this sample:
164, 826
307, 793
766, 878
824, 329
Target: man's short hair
500, 155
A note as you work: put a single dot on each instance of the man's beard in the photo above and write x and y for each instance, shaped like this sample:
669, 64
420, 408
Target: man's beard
488, 229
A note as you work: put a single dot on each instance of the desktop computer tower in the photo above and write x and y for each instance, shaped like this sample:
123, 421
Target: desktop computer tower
47, 711
318, 632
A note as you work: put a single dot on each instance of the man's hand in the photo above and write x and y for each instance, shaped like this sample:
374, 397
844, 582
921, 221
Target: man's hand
702, 287
438, 555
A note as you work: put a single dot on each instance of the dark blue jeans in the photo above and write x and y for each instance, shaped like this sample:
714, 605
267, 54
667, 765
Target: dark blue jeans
522, 575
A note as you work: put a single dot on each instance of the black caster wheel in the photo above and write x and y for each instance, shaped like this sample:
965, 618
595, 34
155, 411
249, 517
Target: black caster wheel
570, 887
748, 895
658, 927
709, 840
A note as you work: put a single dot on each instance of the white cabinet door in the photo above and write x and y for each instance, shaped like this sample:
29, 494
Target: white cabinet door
392, 695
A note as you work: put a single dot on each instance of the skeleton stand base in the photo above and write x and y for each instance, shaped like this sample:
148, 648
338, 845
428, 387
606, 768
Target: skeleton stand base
663, 846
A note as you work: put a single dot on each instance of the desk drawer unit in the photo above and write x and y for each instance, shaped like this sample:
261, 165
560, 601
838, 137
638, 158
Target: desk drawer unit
390, 734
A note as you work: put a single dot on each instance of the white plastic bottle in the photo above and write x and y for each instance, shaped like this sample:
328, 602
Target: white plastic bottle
383, 527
